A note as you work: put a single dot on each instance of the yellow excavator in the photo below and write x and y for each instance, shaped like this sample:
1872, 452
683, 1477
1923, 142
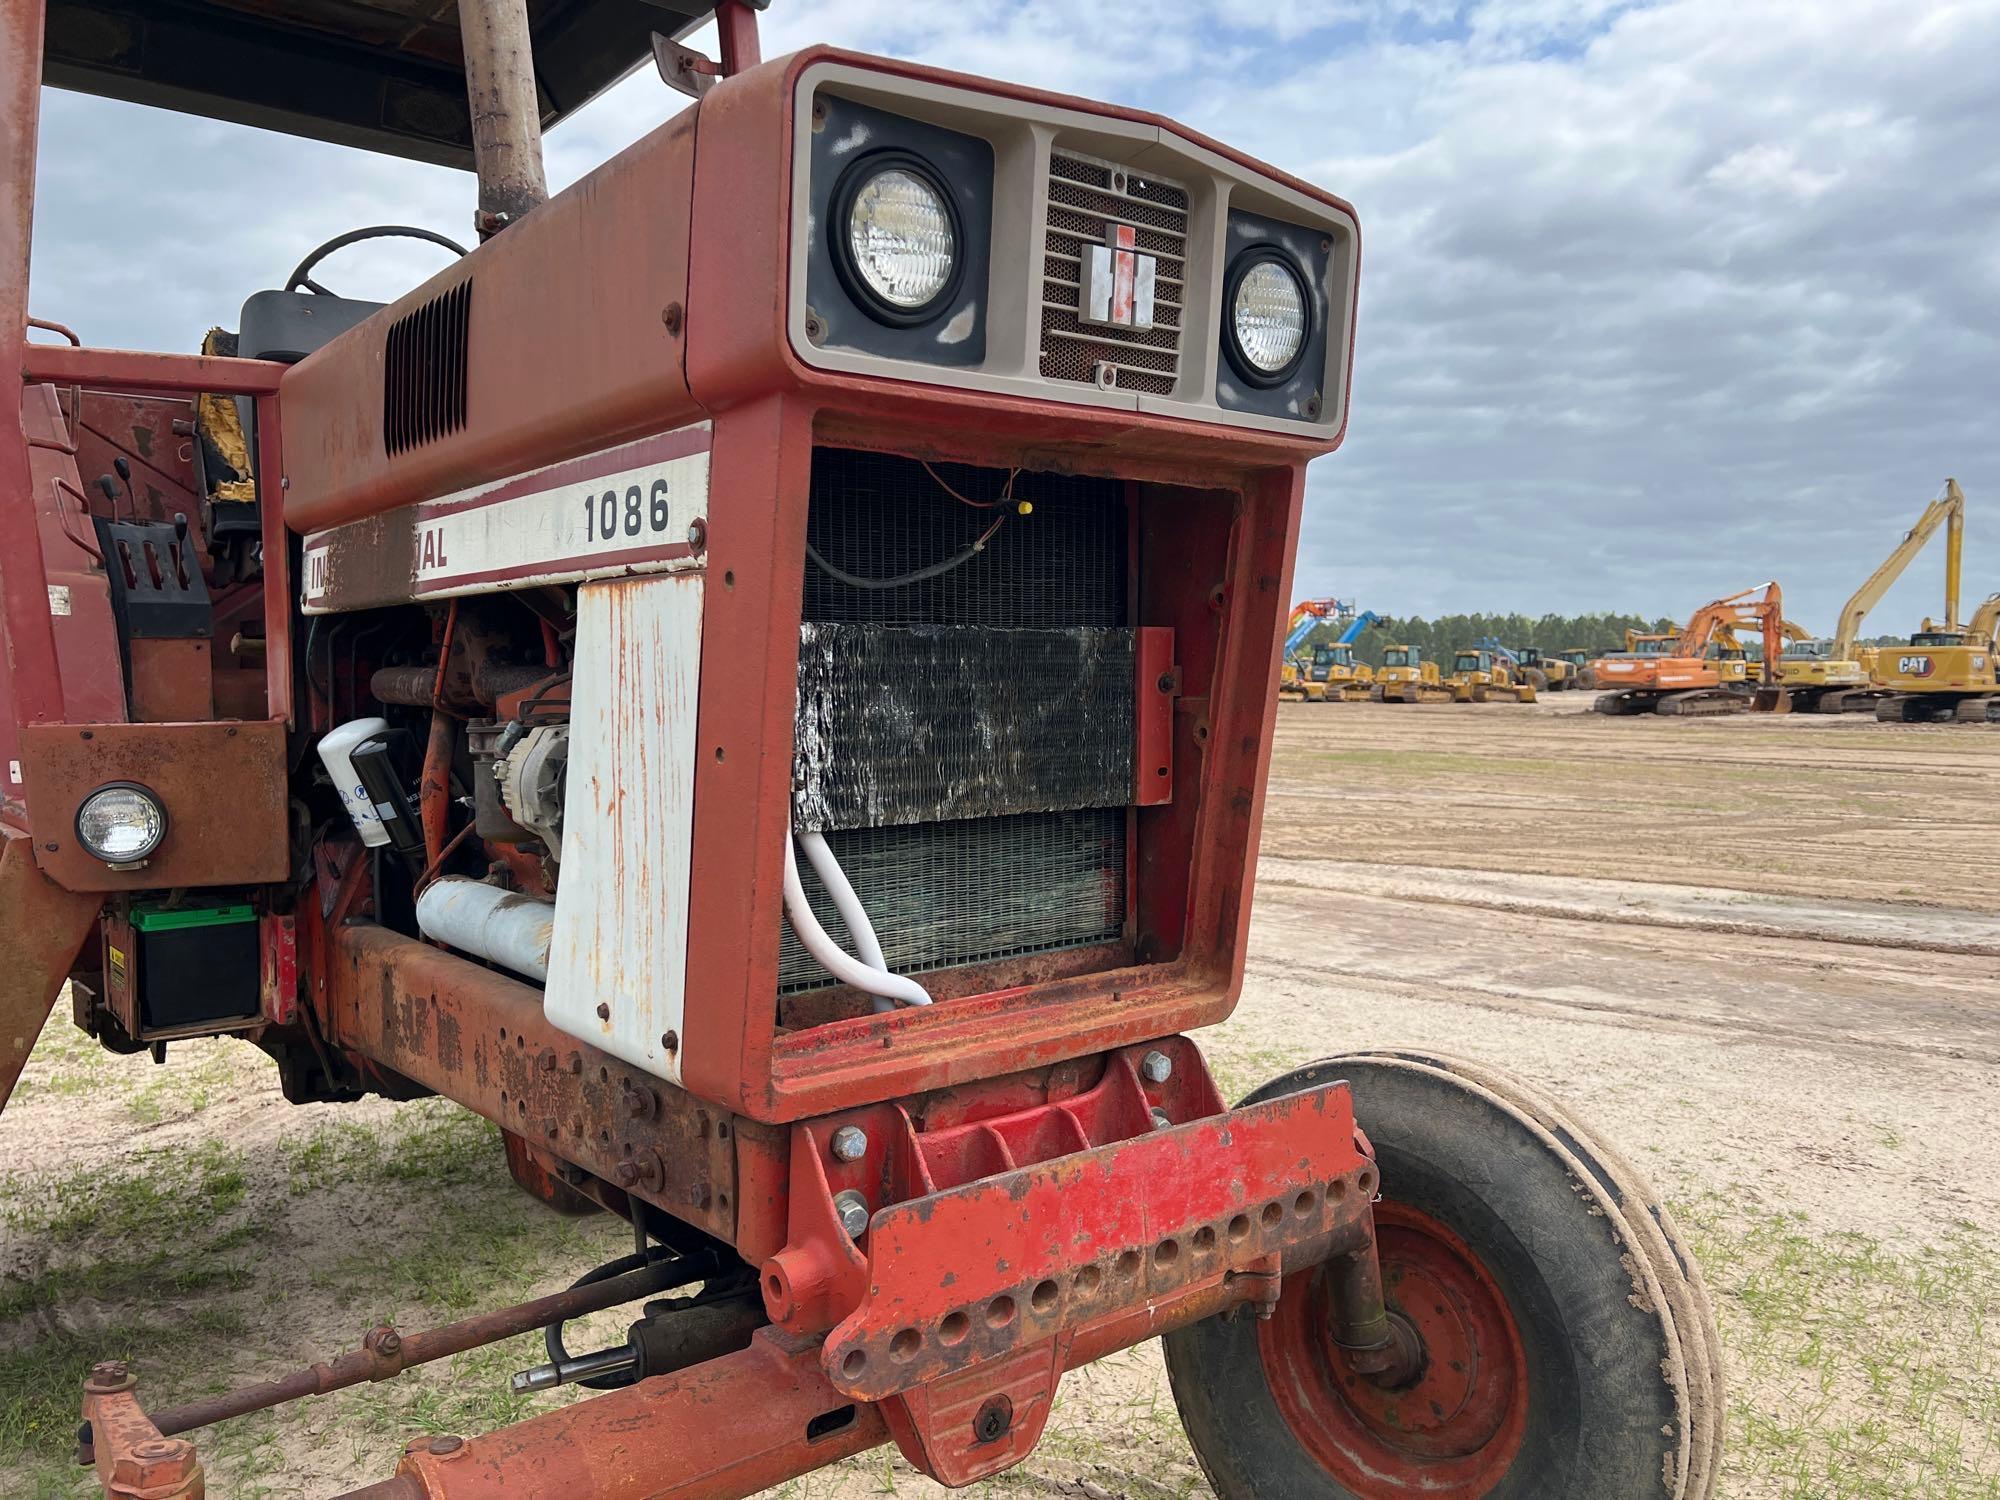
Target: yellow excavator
1817, 678
1837, 675
1947, 673
1405, 677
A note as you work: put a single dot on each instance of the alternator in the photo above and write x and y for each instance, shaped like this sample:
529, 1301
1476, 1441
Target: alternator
531, 783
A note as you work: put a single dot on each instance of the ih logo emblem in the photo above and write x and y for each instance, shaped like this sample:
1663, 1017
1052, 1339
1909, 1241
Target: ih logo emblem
1118, 282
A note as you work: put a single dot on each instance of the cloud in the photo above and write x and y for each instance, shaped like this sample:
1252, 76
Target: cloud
1658, 299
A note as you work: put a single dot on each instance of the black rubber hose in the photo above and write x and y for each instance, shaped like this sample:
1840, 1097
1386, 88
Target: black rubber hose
702, 1266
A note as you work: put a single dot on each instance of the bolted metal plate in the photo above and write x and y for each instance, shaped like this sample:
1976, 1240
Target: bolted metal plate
973, 1273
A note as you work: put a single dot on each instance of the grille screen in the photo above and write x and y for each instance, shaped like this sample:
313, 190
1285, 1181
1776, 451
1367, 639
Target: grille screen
875, 516
423, 371
944, 894
959, 890
1085, 198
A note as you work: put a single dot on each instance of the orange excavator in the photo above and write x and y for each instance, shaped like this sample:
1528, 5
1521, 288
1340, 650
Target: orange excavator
1686, 678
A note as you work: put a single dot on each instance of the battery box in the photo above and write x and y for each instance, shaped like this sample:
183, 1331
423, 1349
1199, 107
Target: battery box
183, 969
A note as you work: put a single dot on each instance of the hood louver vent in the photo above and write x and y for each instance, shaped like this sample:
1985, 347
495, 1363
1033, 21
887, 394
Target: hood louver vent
423, 372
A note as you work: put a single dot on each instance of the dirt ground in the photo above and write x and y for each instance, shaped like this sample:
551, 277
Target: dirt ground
1763, 955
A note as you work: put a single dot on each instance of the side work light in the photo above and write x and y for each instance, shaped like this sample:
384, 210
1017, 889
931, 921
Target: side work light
121, 823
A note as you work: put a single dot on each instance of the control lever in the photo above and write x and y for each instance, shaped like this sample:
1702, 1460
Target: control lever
110, 487
125, 473
180, 545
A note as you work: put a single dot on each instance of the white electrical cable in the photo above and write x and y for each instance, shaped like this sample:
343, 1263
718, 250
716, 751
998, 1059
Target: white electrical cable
835, 959
852, 912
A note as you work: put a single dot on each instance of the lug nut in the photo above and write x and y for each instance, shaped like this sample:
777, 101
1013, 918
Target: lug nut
849, 1144
1161, 1120
853, 1211
1156, 1067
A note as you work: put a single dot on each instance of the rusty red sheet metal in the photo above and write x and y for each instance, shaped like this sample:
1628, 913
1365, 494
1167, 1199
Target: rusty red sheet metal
1157, 685
480, 1038
43, 930
222, 785
972, 1273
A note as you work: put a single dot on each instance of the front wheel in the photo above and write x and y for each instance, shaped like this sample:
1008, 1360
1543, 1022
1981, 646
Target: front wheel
1567, 1349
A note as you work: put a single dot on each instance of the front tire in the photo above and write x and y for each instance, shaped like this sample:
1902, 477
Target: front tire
1568, 1356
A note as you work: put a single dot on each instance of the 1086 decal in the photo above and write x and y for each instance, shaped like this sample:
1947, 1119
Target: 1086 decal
602, 514
630, 509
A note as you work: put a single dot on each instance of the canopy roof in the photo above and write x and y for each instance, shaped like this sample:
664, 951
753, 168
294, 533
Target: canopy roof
384, 75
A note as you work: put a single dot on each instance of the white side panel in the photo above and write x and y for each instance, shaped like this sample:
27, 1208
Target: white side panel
628, 820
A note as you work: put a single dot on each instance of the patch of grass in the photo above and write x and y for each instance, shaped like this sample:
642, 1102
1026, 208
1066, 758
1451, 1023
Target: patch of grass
432, 1141
1858, 1371
172, 1194
165, 1256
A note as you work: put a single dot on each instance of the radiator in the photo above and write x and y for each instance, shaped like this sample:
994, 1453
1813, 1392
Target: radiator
965, 741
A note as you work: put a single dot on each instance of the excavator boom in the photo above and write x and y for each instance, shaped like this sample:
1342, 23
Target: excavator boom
1949, 507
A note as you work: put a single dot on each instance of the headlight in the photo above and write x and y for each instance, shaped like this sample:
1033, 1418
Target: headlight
121, 824
1270, 317
896, 237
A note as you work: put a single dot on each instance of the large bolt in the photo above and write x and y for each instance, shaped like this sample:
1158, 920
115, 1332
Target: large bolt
1156, 1067
1162, 1120
853, 1211
849, 1144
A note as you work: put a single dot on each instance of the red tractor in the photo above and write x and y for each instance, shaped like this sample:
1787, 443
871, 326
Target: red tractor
755, 679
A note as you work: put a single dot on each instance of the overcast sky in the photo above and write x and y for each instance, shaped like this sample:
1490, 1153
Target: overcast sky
1657, 300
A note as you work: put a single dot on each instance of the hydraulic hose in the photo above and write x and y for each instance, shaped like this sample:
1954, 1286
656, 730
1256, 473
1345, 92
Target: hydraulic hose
852, 912
831, 956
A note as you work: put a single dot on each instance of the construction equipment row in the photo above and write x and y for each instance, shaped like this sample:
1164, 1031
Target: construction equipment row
1947, 672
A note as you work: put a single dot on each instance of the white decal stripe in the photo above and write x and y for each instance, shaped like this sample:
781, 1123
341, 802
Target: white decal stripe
627, 510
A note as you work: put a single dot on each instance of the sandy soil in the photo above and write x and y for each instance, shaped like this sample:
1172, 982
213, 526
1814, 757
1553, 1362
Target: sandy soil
1762, 955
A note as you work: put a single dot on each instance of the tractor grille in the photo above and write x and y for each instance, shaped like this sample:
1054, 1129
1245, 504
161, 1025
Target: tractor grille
966, 739
1085, 198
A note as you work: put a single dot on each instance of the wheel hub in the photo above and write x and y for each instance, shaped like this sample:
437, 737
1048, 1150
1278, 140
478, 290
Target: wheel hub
1442, 1409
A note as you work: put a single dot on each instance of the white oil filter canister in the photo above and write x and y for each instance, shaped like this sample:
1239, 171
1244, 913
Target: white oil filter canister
336, 749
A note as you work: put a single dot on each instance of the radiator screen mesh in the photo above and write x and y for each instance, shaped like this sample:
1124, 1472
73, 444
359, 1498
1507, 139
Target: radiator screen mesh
958, 890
